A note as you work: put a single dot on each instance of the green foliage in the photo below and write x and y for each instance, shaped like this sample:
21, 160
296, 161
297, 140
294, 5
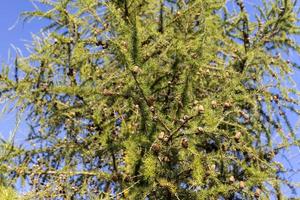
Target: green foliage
7, 193
6, 154
156, 99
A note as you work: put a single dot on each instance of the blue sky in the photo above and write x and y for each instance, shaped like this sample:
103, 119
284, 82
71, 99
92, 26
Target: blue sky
17, 36
13, 32
9, 13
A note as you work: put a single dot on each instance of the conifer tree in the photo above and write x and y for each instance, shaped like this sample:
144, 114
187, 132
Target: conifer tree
6, 154
156, 99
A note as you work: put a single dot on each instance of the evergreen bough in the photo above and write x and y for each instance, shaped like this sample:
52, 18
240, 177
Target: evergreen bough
156, 99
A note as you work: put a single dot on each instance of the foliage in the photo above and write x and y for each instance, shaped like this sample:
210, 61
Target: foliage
6, 154
156, 99
7, 193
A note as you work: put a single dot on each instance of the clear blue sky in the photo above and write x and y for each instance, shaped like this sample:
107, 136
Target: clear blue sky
9, 13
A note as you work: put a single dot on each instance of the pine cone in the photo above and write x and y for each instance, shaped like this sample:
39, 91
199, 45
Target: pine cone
200, 109
231, 179
161, 135
257, 193
155, 148
237, 136
227, 105
185, 143
242, 184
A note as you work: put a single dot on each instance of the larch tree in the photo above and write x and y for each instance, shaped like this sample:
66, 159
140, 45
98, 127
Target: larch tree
156, 99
